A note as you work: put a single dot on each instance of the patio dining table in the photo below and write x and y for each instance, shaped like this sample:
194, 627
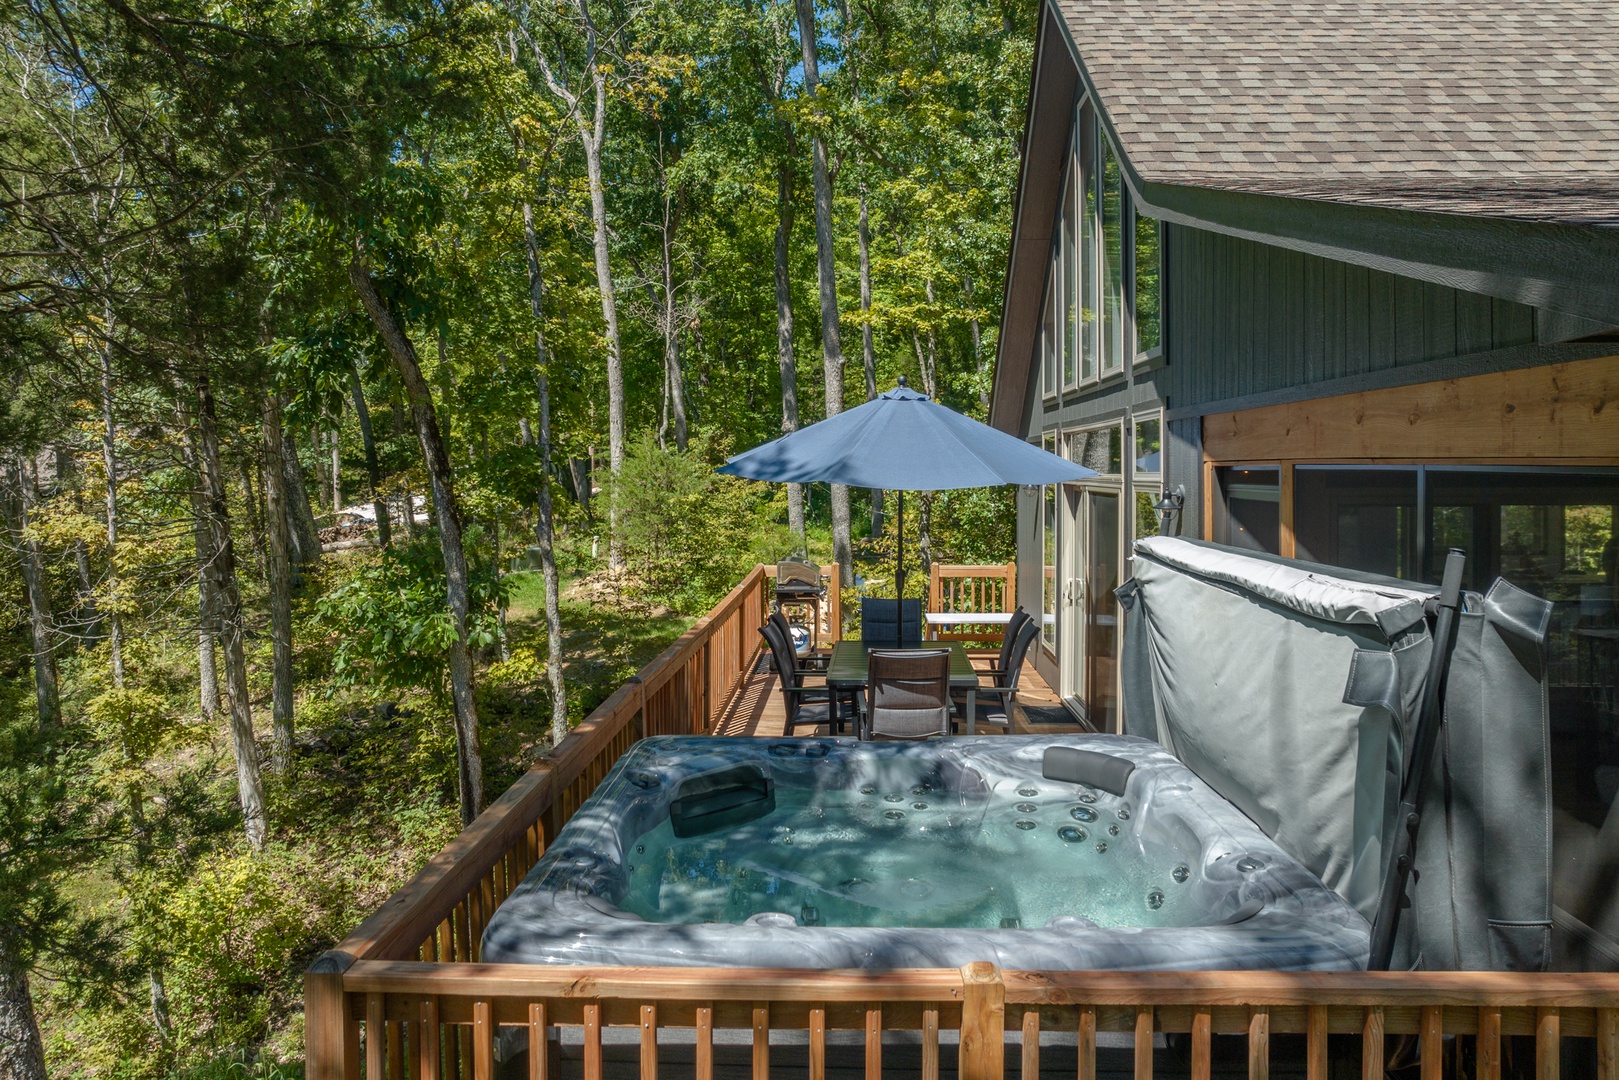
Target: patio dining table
847, 672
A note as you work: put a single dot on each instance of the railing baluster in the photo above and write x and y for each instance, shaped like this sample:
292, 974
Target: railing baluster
483, 1041
1315, 1023
1202, 1029
376, 1037
1371, 1043
703, 1058
1087, 1042
874, 1041
1144, 1042
1432, 1027
428, 1063
539, 1042
396, 1050
1489, 1044
817, 1043
1607, 1044
593, 1041
649, 1042
930, 1044
761, 1040
1548, 1031
1031, 1044
1259, 1044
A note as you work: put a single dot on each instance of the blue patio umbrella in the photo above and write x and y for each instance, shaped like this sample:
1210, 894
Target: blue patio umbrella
903, 441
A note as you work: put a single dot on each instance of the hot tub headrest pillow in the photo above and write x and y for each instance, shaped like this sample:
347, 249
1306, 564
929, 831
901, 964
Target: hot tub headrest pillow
1068, 765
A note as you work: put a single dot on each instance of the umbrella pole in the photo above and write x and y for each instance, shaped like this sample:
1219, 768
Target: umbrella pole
899, 570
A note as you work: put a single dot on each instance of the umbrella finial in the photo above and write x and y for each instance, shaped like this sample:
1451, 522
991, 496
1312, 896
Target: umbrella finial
904, 381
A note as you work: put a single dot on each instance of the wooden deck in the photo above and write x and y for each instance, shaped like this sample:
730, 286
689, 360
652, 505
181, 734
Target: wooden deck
757, 708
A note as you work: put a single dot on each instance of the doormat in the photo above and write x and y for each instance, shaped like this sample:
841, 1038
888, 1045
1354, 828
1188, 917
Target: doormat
1051, 714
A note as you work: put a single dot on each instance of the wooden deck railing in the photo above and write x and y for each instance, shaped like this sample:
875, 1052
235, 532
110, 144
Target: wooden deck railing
438, 1021
971, 589
404, 996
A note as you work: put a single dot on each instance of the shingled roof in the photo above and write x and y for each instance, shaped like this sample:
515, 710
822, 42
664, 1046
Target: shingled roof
1494, 108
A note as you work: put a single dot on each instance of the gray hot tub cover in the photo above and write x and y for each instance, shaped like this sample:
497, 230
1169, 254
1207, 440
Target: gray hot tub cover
1292, 689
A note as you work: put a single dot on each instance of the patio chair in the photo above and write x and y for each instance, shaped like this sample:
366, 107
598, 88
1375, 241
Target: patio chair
880, 622
908, 694
810, 663
997, 668
805, 706
995, 701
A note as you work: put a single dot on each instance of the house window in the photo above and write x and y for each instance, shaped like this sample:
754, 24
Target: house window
1148, 267
1099, 448
1048, 531
1248, 513
1148, 454
1048, 337
1087, 209
1360, 517
1112, 233
1070, 280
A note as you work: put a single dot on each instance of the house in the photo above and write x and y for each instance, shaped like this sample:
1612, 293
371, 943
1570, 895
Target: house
1338, 282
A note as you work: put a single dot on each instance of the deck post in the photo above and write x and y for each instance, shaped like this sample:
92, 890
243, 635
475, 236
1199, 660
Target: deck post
326, 1024
983, 1022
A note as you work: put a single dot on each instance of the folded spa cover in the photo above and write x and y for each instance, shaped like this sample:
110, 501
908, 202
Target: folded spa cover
1293, 690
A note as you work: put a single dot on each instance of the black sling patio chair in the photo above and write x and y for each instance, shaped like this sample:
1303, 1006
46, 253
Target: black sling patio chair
805, 706
995, 701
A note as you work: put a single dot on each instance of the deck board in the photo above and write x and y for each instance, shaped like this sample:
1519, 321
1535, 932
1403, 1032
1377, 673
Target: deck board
757, 708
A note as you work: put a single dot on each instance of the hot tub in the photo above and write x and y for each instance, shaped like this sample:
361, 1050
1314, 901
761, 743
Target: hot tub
1075, 852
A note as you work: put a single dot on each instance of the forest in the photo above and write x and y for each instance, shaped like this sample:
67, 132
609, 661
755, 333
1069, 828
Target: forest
363, 370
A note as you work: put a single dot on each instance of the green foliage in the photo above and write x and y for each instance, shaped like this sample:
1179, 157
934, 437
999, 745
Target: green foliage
389, 622
691, 533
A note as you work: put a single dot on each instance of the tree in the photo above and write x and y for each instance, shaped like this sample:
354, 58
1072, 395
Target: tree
826, 277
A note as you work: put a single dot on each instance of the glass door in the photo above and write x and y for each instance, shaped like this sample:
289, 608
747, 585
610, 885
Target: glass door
1088, 573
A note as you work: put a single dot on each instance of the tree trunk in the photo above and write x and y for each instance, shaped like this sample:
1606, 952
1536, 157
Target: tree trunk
228, 603
337, 465
826, 276
302, 532
373, 473
867, 347
109, 459
207, 622
784, 339
16, 501
278, 573
980, 365
469, 757
579, 470
544, 521
930, 358
592, 130
924, 533
22, 1055
250, 501
671, 325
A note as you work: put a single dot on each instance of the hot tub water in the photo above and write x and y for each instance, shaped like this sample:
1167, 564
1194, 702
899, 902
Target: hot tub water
916, 853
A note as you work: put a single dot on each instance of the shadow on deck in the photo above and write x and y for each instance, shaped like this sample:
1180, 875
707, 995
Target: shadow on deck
757, 709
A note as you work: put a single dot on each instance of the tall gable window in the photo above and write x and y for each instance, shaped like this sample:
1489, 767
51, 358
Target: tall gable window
1148, 248
1101, 306
1112, 234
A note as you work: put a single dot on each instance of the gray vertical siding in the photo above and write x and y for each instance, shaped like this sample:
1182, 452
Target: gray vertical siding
1247, 318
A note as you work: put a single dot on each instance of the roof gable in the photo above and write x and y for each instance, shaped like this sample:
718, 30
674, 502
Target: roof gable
1500, 108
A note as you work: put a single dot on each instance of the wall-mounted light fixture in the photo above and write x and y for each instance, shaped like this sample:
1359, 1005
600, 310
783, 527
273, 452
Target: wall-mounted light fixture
1169, 510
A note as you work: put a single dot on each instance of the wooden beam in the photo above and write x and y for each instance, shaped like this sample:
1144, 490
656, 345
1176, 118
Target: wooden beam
1558, 413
